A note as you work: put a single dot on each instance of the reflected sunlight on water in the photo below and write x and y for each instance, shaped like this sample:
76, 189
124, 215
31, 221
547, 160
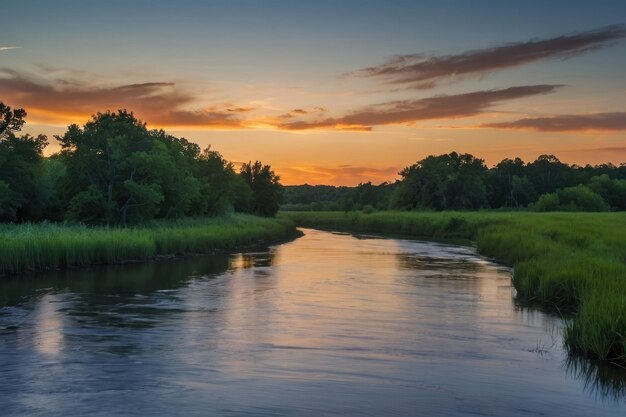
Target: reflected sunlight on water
327, 325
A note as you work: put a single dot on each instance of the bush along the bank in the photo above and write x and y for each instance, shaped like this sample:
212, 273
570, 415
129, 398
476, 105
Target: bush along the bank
572, 263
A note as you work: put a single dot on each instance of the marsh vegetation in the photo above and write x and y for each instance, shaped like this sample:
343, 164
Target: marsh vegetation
571, 263
45, 246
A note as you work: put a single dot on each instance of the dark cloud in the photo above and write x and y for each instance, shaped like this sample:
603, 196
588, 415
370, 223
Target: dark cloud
407, 111
420, 71
567, 123
159, 103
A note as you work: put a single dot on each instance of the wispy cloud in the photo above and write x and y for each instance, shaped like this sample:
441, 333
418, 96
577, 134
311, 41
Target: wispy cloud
617, 149
337, 175
420, 71
409, 111
8, 48
158, 103
302, 112
567, 123
240, 109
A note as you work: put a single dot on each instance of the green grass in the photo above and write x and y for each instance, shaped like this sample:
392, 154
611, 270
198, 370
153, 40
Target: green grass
34, 247
574, 263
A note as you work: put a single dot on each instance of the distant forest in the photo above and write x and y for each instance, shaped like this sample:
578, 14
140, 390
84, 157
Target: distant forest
114, 171
463, 182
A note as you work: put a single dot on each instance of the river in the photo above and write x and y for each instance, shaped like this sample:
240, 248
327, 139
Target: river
326, 325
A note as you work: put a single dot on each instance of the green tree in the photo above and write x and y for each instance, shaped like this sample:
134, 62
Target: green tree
24, 196
179, 185
116, 170
613, 191
265, 186
443, 182
522, 191
220, 185
9, 202
547, 174
11, 121
500, 182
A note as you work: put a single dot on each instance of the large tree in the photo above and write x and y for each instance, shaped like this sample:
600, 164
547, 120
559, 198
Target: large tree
117, 170
508, 185
443, 182
24, 195
266, 188
11, 120
222, 188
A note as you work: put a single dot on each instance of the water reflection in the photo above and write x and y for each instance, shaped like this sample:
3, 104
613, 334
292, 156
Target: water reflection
49, 325
325, 325
601, 380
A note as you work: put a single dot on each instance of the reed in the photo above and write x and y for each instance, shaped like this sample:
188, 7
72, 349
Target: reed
34, 247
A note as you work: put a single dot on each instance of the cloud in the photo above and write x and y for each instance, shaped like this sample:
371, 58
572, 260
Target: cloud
338, 175
240, 109
158, 103
409, 111
618, 149
567, 123
301, 112
8, 48
419, 71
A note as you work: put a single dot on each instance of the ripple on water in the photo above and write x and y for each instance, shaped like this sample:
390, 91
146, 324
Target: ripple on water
327, 325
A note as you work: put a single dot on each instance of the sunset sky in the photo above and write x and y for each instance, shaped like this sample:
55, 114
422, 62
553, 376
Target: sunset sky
331, 92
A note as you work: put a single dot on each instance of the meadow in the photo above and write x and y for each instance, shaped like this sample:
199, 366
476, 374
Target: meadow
572, 263
44, 246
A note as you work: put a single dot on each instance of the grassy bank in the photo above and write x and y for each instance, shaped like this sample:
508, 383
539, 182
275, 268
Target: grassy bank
28, 247
571, 262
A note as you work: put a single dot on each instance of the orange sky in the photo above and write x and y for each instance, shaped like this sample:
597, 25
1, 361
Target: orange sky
339, 98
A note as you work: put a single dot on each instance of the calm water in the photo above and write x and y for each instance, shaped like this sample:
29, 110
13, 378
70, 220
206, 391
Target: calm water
327, 325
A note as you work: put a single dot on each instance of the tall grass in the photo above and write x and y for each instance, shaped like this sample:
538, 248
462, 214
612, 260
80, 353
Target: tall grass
48, 246
572, 262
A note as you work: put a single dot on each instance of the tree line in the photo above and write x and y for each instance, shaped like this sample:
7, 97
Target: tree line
115, 171
463, 182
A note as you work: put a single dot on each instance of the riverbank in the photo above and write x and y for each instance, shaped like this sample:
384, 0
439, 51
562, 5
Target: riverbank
569, 262
44, 246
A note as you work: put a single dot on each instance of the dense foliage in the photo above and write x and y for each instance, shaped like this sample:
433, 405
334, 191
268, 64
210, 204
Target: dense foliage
113, 170
463, 182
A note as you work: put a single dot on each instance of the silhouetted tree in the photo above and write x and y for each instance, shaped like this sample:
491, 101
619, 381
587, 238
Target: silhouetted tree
11, 121
265, 186
24, 195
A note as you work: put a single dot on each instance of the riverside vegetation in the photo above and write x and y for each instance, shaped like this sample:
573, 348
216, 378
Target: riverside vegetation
463, 182
117, 191
572, 263
32, 247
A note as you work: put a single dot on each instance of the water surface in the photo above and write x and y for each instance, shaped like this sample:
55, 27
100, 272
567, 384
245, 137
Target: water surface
327, 325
